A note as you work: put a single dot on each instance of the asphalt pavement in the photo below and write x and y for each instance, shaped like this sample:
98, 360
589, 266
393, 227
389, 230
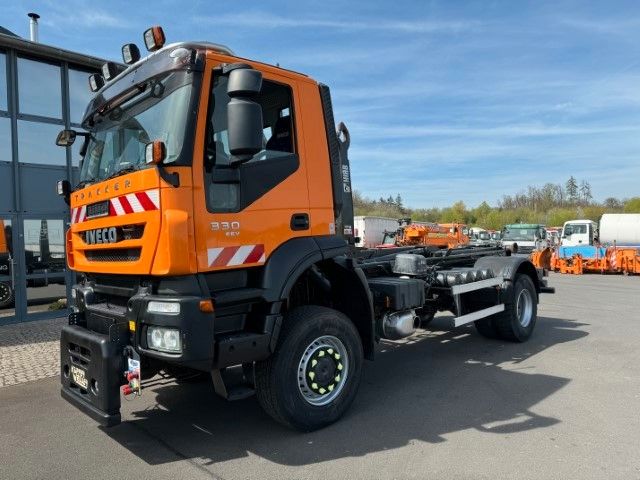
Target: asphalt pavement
445, 404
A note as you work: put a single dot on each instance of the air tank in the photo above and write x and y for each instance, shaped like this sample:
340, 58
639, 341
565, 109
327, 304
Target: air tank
621, 228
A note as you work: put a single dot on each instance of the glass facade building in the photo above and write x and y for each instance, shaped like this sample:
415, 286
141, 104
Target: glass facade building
42, 90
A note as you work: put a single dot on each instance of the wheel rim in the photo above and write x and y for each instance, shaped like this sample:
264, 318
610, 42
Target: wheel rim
5, 293
323, 370
524, 307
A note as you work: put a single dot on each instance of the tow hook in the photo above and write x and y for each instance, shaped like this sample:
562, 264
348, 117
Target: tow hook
133, 376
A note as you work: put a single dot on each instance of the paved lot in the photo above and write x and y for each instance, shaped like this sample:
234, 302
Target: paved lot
29, 351
448, 404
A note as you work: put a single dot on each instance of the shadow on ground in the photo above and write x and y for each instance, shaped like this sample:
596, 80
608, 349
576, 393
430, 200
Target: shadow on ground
15, 333
437, 383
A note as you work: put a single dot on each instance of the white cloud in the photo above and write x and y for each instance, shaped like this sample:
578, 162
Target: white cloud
270, 21
508, 131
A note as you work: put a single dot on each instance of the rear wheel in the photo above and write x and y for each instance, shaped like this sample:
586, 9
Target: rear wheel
426, 316
486, 327
313, 376
7, 295
518, 320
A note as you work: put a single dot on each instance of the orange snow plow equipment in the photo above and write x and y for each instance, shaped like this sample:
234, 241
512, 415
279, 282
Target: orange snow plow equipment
625, 260
445, 235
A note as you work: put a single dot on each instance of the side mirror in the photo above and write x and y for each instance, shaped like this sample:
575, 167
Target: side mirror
244, 115
66, 138
63, 189
155, 152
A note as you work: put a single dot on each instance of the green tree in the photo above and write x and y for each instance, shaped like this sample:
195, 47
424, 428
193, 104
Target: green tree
585, 192
571, 188
632, 205
612, 203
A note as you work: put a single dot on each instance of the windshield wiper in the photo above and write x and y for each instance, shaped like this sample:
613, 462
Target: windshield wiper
130, 168
84, 183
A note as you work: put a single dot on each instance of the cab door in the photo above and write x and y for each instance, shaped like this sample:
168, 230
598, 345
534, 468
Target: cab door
244, 212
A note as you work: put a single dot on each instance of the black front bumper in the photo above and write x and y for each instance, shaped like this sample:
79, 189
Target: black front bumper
103, 362
110, 324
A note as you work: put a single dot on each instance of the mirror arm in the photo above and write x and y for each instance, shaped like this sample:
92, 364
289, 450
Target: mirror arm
172, 179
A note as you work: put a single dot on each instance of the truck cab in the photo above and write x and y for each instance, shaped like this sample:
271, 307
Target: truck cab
579, 232
523, 238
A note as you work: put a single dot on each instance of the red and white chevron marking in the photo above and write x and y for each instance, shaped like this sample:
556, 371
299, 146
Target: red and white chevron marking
123, 205
135, 203
79, 214
232, 256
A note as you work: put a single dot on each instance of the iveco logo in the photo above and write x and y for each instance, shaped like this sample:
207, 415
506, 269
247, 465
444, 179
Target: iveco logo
101, 235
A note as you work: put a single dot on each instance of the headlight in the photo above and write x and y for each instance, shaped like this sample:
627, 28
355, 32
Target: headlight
164, 339
163, 307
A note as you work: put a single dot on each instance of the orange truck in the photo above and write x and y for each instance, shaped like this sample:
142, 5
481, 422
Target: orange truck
212, 229
7, 293
445, 235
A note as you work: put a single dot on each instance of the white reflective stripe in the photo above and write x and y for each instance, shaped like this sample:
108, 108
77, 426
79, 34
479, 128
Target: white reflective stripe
117, 207
262, 259
83, 213
213, 253
135, 203
154, 196
241, 255
73, 215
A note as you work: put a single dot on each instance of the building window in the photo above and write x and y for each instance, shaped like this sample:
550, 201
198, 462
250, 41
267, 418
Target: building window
37, 143
5, 139
79, 94
3, 82
39, 88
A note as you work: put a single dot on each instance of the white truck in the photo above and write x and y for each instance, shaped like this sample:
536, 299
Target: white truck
621, 229
370, 230
480, 237
579, 232
524, 238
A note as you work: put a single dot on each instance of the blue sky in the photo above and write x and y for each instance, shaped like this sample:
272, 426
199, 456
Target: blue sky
445, 100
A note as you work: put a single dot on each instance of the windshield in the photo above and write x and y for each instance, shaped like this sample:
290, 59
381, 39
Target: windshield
159, 111
521, 234
389, 238
575, 228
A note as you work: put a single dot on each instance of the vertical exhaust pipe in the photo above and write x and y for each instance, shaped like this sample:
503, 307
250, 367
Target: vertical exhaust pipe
33, 26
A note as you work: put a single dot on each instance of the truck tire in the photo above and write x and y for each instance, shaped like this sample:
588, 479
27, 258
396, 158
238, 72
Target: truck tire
518, 320
487, 328
7, 295
426, 316
313, 376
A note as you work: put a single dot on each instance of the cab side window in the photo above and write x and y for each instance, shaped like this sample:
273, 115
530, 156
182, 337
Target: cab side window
225, 192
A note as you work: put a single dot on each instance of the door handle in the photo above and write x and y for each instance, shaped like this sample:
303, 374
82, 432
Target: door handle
299, 221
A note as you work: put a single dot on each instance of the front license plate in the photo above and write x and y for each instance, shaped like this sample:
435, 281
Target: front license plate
79, 377
100, 209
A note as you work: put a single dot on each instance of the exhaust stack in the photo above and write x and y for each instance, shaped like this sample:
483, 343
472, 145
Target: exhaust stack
33, 26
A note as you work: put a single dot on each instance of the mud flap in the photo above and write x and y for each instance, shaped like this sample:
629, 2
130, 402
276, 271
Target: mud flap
91, 372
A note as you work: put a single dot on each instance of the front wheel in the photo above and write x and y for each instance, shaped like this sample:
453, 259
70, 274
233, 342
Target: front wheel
7, 295
313, 376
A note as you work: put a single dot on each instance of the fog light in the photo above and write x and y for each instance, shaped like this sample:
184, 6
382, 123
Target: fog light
164, 339
163, 307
